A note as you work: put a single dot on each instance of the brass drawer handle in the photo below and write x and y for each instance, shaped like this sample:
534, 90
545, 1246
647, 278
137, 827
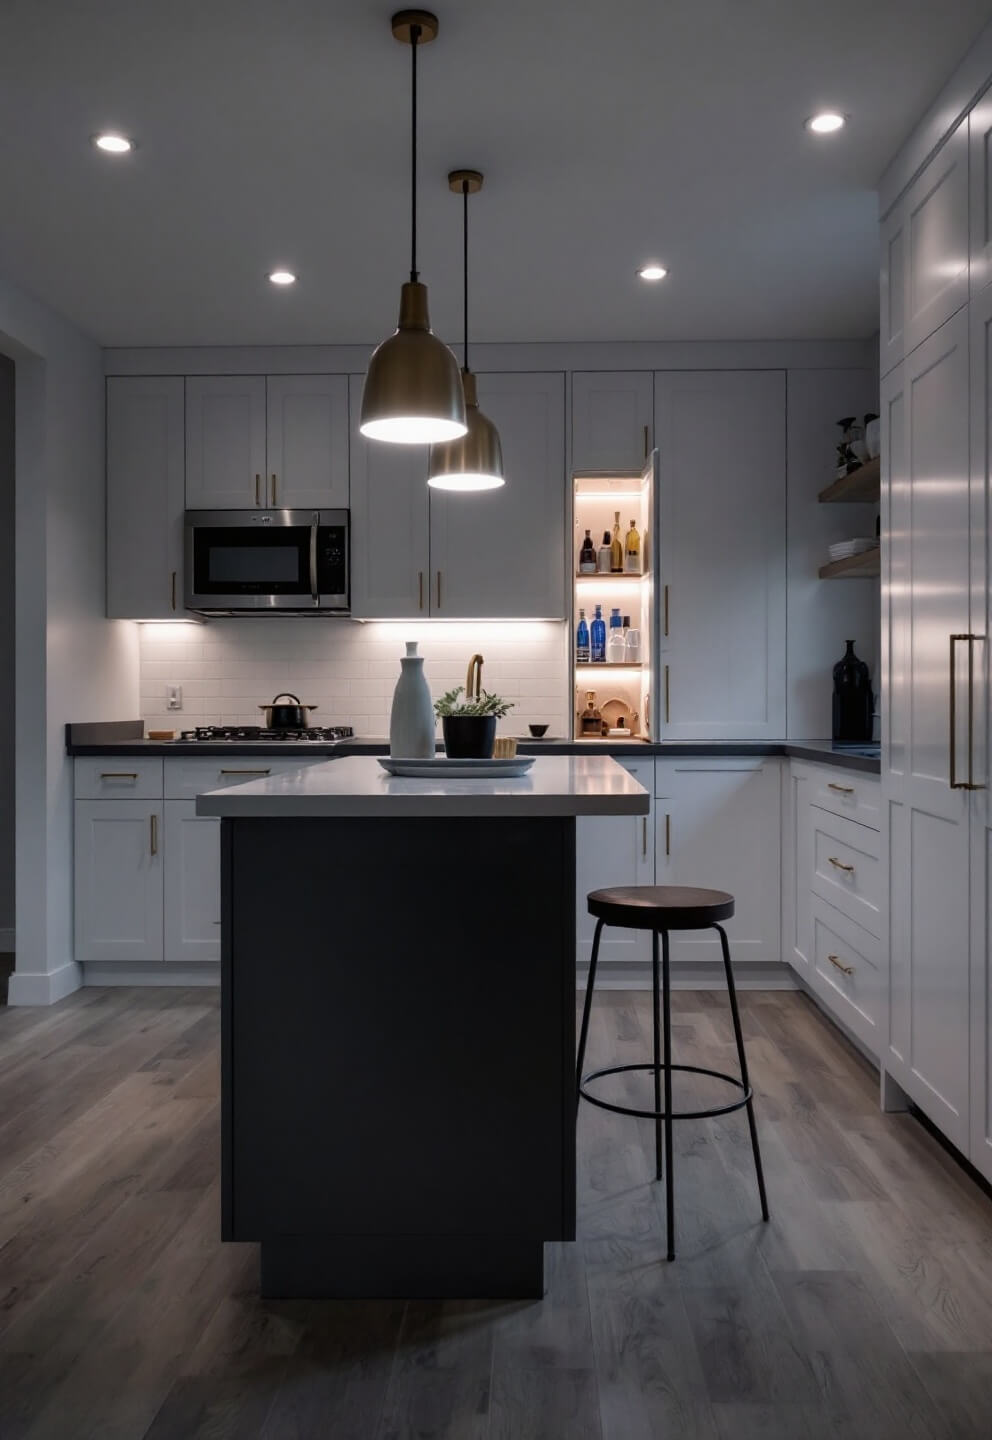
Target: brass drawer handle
258, 489
668, 834
644, 837
841, 789
153, 839
246, 772
668, 696
118, 774
844, 969
666, 609
839, 864
275, 482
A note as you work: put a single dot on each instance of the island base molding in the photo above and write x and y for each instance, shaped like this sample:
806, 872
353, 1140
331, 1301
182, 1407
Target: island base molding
411, 1267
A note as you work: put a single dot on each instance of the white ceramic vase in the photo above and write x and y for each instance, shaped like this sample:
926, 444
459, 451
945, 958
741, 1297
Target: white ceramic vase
411, 720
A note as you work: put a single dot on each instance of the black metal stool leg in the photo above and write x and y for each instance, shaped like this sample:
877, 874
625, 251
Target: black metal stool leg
586, 1008
656, 1020
669, 1168
743, 1062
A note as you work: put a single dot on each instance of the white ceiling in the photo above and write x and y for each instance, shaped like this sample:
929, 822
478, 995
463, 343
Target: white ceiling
277, 131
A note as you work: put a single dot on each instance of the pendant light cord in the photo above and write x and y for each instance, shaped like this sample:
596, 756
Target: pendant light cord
414, 272
465, 268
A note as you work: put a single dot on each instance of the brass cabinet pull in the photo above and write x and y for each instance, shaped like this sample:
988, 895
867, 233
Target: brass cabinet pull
668, 834
953, 781
644, 837
153, 839
439, 589
668, 697
420, 589
246, 772
841, 789
258, 489
118, 774
647, 441
173, 589
839, 864
275, 481
844, 969
666, 609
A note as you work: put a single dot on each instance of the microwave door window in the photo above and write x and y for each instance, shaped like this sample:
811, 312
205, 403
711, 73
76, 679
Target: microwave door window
239, 561
267, 565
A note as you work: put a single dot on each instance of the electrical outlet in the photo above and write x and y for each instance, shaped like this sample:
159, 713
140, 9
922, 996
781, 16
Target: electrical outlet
174, 697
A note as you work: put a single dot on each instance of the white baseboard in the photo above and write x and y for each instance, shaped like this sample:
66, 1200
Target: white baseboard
8, 940
692, 975
117, 972
44, 987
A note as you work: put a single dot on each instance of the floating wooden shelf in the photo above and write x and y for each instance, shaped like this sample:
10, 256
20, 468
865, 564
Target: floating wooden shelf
861, 487
855, 567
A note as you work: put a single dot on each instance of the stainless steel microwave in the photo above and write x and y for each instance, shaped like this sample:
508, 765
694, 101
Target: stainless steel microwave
277, 562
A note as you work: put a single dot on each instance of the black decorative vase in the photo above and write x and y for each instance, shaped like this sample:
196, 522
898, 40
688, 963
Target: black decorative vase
469, 737
853, 700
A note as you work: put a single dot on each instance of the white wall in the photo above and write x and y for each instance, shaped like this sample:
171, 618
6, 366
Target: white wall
228, 667
7, 654
72, 663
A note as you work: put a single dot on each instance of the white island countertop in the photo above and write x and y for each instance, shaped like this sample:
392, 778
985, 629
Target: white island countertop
357, 785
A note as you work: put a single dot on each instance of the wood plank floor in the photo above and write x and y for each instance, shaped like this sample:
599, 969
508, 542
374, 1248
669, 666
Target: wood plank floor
863, 1310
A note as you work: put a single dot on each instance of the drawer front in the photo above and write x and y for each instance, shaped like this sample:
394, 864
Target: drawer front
847, 974
642, 771
117, 777
846, 868
185, 779
845, 792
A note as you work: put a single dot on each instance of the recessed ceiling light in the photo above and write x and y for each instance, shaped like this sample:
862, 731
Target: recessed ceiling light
113, 144
282, 277
652, 272
825, 122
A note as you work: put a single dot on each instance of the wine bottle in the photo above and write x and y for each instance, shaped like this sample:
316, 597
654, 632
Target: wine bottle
582, 640
616, 547
603, 555
587, 556
597, 631
632, 551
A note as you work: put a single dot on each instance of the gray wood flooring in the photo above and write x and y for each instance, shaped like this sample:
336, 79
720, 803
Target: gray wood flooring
864, 1309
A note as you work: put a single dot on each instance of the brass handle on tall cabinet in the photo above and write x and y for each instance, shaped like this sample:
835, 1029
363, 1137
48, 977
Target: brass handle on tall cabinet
647, 441
275, 481
439, 589
668, 697
258, 489
153, 838
970, 783
420, 589
173, 589
844, 969
644, 837
666, 609
668, 834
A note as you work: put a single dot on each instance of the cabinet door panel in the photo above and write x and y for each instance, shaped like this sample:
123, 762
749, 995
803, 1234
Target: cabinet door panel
225, 442
389, 517
192, 884
499, 554
118, 879
146, 467
937, 240
892, 327
721, 441
614, 850
307, 441
980, 172
797, 867
612, 419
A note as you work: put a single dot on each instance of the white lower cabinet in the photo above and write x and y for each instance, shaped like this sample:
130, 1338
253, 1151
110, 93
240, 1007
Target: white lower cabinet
118, 880
192, 884
718, 825
614, 850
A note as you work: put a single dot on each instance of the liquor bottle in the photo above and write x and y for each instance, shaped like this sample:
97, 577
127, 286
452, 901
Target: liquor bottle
616, 547
597, 631
587, 556
582, 641
615, 654
603, 555
632, 551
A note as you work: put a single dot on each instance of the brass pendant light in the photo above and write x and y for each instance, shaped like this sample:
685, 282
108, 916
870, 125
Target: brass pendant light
475, 461
413, 392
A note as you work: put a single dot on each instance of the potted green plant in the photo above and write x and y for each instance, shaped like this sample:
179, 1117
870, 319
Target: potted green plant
469, 725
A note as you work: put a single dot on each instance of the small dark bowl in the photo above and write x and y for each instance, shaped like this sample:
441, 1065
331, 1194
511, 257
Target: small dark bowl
538, 731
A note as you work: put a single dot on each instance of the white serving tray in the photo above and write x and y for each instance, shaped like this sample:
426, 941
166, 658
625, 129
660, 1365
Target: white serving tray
442, 767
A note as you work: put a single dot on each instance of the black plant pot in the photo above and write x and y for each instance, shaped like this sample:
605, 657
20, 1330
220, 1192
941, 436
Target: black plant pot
469, 737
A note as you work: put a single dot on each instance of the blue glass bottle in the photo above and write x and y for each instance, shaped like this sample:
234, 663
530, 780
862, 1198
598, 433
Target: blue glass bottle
598, 636
582, 641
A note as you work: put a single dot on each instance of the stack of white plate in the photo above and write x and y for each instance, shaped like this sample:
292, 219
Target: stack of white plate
844, 549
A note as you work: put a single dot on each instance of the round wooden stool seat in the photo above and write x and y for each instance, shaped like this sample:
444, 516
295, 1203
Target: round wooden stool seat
660, 907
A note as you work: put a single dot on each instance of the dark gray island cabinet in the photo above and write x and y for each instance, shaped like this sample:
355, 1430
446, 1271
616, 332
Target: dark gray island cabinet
398, 1004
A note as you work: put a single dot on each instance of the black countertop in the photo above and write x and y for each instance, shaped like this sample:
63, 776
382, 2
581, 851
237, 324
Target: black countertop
124, 738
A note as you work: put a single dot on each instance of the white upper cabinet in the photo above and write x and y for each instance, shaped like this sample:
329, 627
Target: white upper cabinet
307, 441
390, 551
936, 242
892, 296
980, 167
721, 443
612, 419
500, 554
225, 442
145, 497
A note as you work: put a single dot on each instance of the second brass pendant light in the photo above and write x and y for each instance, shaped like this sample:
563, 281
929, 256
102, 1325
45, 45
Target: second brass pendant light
475, 460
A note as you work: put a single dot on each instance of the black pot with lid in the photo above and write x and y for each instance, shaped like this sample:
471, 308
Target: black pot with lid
293, 716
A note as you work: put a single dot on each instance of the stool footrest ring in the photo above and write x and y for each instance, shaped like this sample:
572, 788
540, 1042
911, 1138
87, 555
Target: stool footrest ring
746, 1092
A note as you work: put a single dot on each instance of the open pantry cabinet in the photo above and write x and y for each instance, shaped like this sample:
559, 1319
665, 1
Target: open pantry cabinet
625, 688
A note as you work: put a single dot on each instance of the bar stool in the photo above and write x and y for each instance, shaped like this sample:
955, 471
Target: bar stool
661, 909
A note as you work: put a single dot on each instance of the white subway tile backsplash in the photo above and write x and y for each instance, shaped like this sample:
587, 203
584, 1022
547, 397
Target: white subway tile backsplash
228, 668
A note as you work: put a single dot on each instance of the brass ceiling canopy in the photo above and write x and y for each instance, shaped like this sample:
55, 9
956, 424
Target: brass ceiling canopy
475, 461
413, 392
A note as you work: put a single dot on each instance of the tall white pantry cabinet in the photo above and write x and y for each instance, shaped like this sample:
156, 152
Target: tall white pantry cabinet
936, 410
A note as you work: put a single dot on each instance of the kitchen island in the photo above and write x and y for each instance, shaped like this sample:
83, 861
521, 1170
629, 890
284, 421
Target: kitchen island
398, 1017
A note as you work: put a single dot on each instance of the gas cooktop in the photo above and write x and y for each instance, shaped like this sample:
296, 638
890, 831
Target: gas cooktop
314, 734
